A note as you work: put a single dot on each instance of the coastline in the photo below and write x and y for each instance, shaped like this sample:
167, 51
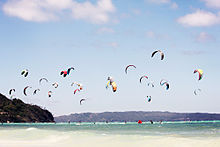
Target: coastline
147, 122
167, 134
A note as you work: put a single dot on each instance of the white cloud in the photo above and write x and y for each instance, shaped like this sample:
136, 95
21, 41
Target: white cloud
28, 10
159, 1
204, 37
212, 3
100, 45
192, 52
93, 13
105, 30
136, 11
47, 10
174, 5
153, 35
114, 44
199, 19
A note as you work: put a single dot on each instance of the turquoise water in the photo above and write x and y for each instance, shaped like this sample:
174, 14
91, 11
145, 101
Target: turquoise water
203, 133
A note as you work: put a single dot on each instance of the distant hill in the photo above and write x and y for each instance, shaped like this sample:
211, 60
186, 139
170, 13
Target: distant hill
17, 111
133, 116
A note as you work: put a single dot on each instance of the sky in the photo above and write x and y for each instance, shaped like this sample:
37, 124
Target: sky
99, 38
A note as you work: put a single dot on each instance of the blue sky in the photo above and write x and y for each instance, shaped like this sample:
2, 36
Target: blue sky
100, 38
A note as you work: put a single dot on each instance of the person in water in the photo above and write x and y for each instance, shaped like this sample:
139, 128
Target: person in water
139, 122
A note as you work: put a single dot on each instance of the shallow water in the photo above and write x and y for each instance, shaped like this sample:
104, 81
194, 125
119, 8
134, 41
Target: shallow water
170, 134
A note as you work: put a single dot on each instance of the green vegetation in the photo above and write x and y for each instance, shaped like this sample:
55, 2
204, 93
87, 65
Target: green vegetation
17, 111
134, 116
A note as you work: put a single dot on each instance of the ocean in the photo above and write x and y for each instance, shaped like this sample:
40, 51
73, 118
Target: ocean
130, 134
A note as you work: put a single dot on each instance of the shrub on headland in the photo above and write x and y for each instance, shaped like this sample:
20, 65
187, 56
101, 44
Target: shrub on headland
17, 111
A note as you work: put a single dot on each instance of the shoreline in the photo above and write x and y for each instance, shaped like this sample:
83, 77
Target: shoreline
144, 122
